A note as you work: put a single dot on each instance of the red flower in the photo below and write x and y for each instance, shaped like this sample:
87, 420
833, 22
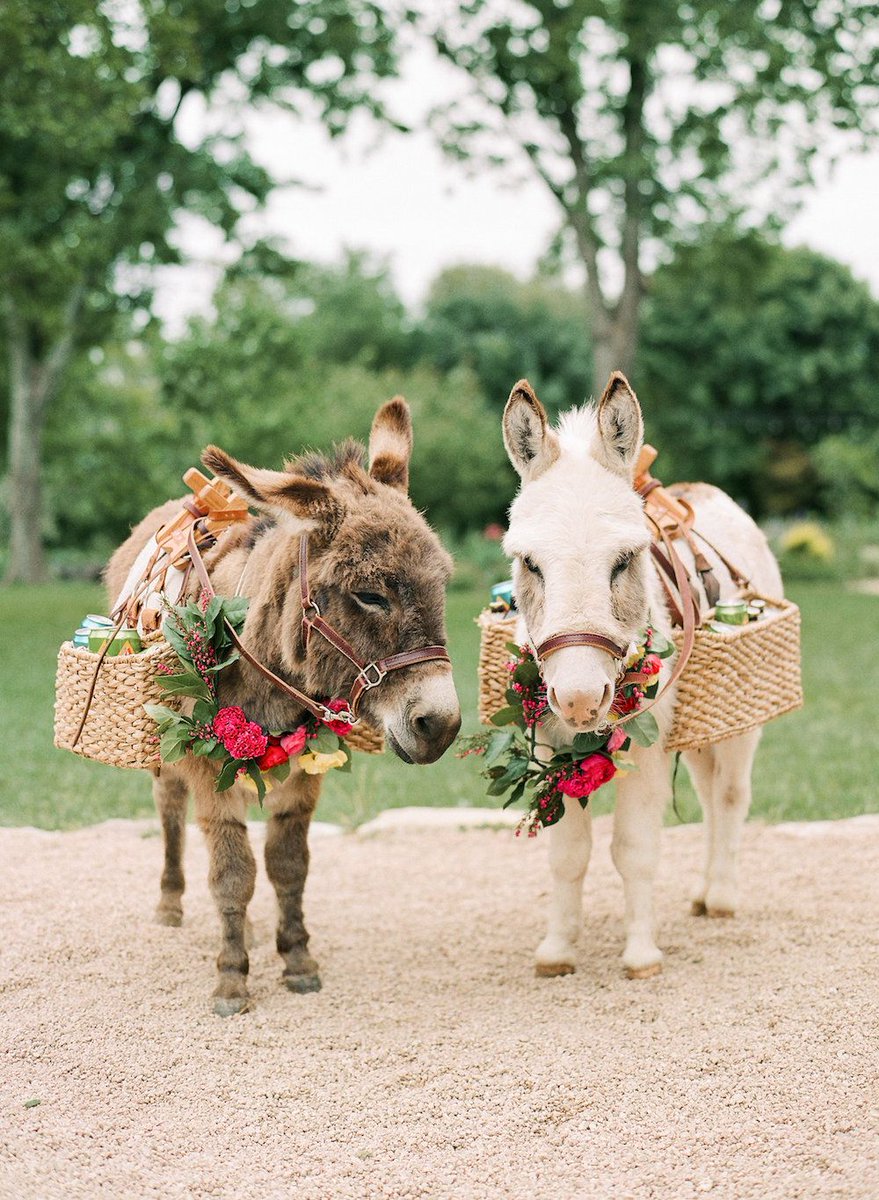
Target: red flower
651, 665
228, 721
248, 742
342, 728
273, 757
623, 704
587, 777
294, 743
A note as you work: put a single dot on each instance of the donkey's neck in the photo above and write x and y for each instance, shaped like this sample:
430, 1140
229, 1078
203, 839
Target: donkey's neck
267, 572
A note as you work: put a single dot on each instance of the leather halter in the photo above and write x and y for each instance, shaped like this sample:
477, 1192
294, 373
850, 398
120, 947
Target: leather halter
369, 674
669, 559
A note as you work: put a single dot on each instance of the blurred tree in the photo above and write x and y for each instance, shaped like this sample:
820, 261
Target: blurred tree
503, 329
646, 120
750, 355
94, 171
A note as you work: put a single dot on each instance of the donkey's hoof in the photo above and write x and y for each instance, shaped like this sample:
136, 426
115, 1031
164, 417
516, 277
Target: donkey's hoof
553, 970
722, 914
173, 917
302, 983
647, 972
698, 909
231, 1006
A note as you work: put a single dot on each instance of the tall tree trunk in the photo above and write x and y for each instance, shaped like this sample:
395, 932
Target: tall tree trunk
33, 384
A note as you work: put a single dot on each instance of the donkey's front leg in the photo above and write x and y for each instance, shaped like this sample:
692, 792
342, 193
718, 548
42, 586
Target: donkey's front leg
570, 844
231, 878
641, 800
287, 867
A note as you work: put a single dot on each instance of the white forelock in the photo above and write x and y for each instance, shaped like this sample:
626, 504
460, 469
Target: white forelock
577, 429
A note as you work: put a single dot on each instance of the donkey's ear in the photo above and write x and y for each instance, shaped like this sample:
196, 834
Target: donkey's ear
620, 427
531, 444
311, 502
390, 444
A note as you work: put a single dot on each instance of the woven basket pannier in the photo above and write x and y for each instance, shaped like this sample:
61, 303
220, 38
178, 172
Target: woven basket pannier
117, 731
733, 682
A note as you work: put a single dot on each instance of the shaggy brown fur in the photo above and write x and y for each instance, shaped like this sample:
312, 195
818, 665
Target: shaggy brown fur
378, 573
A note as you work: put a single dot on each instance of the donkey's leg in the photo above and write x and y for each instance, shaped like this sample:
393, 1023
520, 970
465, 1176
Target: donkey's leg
730, 801
231, 877
700, 765
641, 800
570, 844
171, 793
287, 867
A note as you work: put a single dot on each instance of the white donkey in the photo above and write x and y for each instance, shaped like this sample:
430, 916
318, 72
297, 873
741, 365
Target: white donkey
579, 543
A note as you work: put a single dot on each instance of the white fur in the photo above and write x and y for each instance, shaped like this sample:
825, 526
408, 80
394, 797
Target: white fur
573, 520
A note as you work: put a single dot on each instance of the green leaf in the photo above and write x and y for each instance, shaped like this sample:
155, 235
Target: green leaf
346, 765
226, 662
514, 649
516, 794
162, 714
324, 742
172, 746
228, 774
643, 729
215, 605
497, 744
204, 711
235, 610
256, 775
527, 673
585, 743
175, 638
280, 772
204, 749
186, 684
506, 716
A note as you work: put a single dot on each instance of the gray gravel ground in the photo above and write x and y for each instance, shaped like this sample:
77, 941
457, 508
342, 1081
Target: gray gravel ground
434, 1064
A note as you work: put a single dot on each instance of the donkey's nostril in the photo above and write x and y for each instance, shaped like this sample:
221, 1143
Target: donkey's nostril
606, 695
424, 726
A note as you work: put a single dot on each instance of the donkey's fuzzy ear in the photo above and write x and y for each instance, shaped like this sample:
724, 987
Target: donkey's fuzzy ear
531, 445
390, 444
620, 427
311, 502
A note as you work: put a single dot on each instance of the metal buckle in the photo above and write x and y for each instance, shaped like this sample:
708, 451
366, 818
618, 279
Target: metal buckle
368, 680
310, 612
345, 715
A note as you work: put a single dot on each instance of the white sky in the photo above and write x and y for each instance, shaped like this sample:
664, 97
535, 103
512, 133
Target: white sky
398, 197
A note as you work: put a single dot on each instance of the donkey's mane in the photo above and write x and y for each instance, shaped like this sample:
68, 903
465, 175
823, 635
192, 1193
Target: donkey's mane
577, 428
330, 464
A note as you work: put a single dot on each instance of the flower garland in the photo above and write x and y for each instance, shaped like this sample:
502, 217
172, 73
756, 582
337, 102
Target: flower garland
247, 752
515, 761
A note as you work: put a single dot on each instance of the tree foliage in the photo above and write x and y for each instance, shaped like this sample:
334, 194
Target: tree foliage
646, 121
751, 355
94, 169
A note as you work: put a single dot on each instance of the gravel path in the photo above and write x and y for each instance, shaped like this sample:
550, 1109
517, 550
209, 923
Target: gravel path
433, 1064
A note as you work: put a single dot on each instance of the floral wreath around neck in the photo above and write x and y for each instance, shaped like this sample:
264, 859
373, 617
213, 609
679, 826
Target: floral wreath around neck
246, 751
515, 760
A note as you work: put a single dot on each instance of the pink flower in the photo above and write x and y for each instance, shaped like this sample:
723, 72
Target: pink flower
342, 728
228, 721
616, 739
248, 742
651, 665
294, 743
587, 777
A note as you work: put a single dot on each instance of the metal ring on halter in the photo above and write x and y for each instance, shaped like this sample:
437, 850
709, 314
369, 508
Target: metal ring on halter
344, 714
311, 611
368, 680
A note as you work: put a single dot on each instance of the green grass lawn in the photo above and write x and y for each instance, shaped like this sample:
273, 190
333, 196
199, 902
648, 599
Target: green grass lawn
813, 764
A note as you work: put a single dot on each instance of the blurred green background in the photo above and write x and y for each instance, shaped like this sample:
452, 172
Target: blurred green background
675, 143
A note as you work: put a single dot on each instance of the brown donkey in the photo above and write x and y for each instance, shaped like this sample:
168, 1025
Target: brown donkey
378, 573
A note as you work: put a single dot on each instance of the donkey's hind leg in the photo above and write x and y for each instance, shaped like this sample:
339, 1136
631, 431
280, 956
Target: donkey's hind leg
730, 799
171, 794
700, 767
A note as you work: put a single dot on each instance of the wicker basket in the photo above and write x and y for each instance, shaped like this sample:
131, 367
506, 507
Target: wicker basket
117, 731
732, 682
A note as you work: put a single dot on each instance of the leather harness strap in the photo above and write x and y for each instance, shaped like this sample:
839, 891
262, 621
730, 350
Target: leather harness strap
561, 640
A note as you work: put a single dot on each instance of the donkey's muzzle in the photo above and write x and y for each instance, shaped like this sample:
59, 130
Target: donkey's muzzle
431, 734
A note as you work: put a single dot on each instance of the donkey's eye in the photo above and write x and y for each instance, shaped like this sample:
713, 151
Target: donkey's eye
372, 600
620, 565
530, 565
